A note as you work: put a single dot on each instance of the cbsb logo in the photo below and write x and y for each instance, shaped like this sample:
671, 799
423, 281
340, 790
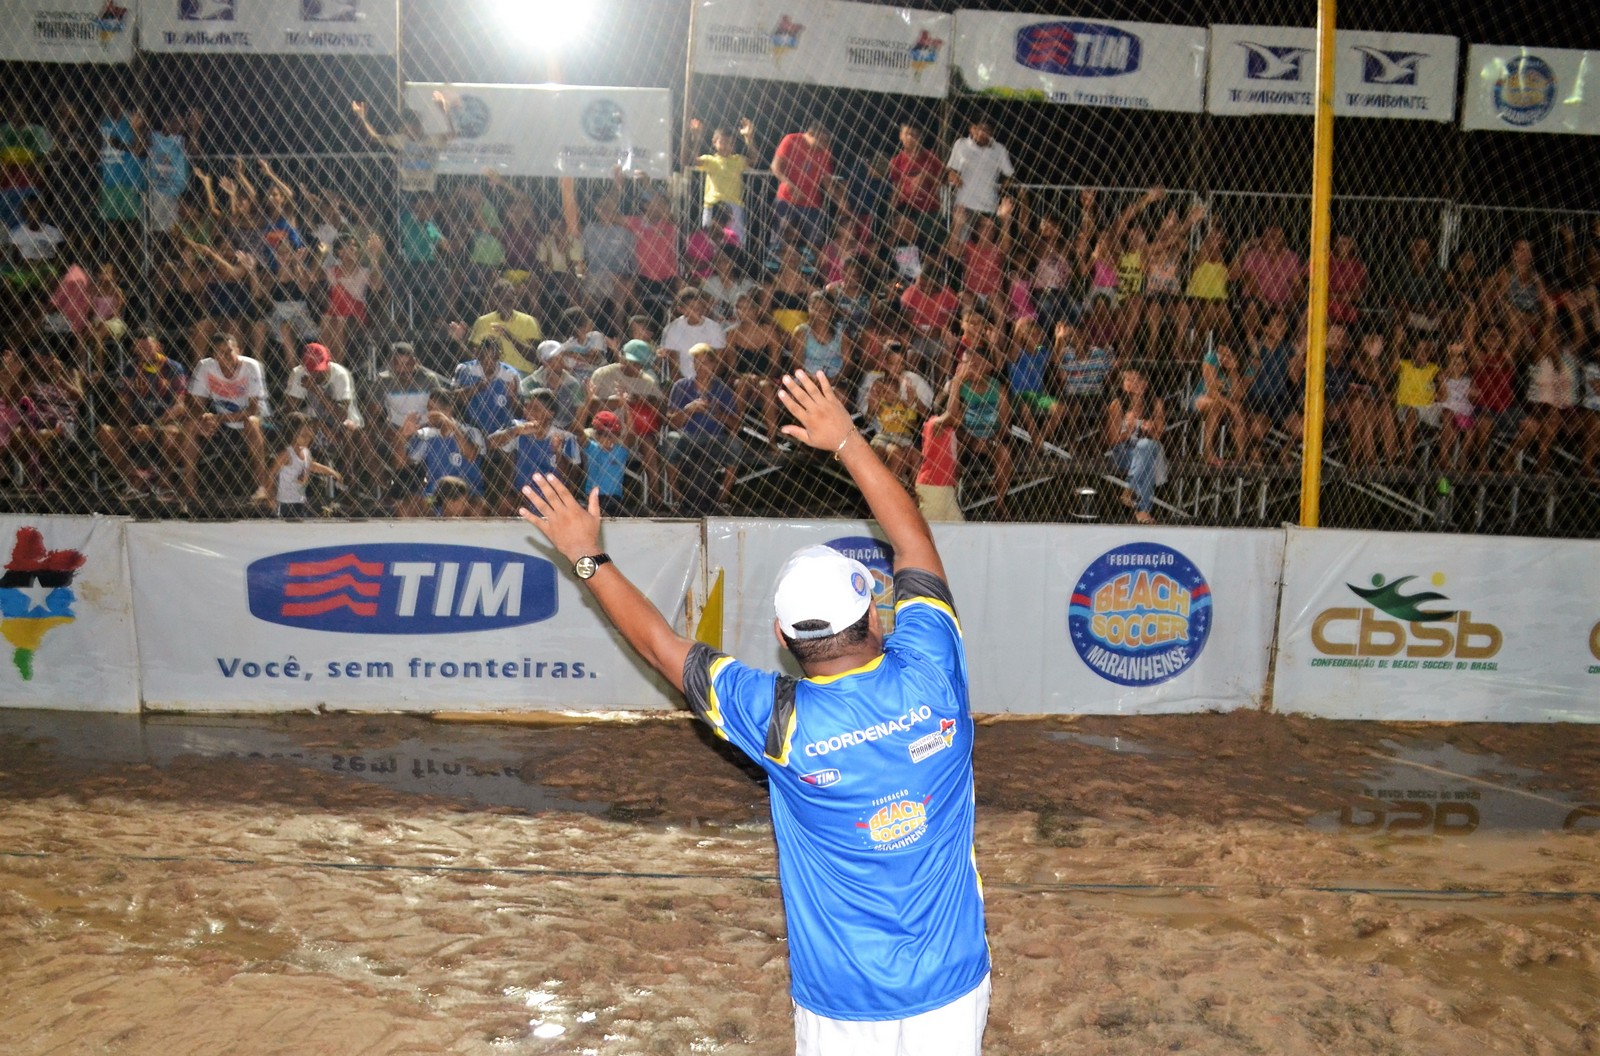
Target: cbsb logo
879, 559
1140, 615
602, 120
1271, 62
402, 588
205, 10
330, 10
1525, 92
1425, 634
1078, 49
470, 115
1389, 67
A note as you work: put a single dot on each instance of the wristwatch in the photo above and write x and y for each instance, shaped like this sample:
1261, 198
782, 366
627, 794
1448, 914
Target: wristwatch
586, 567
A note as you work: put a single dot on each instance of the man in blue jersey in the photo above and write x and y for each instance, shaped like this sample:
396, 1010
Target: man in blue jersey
869, 759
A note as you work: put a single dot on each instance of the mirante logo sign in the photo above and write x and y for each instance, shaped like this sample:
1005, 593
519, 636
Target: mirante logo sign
1400, 626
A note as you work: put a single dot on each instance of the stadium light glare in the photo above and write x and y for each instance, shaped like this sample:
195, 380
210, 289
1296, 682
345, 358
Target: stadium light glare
545, 25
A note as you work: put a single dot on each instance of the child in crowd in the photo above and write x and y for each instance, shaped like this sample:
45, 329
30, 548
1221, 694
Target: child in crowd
605, 462
292, 470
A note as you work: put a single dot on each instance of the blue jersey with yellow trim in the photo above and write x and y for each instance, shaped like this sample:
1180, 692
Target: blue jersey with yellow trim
872, 808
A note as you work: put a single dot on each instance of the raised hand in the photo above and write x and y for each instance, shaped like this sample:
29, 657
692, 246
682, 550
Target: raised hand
825, 423
572, 528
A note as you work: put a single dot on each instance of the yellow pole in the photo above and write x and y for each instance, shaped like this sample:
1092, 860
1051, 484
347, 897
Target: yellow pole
1321, 224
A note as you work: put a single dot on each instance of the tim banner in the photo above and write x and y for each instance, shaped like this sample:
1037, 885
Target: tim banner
66, 30
1081, 61
1439, 628
1522, 89
270, 27
549, 130
66, 615
392, 616
1056, 619
1273, 70
826, 42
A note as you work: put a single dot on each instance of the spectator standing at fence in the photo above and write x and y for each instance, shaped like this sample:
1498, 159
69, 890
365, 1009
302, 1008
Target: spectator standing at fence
979, 169
416, 150
141, 439
885, 921
1135, 424
228, 396
516, 333
723, 170
803, 164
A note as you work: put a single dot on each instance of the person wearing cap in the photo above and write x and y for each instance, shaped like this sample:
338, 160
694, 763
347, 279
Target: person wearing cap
868, 757
693, 327
325, 391
605, 464
555, 374
536, 444
702, 412
628, 390
517, 332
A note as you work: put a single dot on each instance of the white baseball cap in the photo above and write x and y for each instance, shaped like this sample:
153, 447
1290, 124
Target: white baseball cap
820, 583
549, 350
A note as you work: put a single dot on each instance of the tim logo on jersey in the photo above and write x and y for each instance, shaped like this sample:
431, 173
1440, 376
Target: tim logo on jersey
402, 588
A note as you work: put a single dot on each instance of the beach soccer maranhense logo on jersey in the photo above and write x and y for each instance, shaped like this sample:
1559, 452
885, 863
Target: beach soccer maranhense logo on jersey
897, 820
1078, 49
1525, 91
35, 596
330, 10
602, 121
402, 588
1273, 62
470, 116
206, 10
879, 559
1140, 614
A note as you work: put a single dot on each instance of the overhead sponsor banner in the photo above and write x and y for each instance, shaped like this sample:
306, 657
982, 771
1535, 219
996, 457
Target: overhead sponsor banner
1523, 89
1055, 619
265, 27
66, 30
548, 130
1439, 627
1273, 70
1081, 61
827, 42
66, 615
392, 616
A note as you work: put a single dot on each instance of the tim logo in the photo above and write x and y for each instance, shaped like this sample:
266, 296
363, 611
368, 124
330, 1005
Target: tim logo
1271, 62
402, 588
1078, 49
1389, 67
206, 10
822, 778
330, 10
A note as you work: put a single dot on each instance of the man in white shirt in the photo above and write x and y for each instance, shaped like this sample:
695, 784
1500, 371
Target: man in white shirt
33, 239
326, 391
227, 396
693, 327
977, 169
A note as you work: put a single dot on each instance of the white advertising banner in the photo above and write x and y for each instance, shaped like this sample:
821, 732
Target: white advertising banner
66, 615
1439, 627
826, 42
1081, 61
66, 30
1273, 70
1522, 89
1056, 619
392, 616
268, 27
549, 130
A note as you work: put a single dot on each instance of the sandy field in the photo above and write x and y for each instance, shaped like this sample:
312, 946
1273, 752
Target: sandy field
1215, 884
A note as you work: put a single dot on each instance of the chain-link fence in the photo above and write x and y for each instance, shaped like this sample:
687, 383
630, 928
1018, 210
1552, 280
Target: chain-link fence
343, 262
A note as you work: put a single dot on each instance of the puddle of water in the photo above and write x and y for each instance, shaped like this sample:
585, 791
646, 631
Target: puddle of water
1432, 789
460, 762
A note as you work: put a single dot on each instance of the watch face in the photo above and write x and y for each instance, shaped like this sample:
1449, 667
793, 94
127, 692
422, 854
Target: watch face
585, 567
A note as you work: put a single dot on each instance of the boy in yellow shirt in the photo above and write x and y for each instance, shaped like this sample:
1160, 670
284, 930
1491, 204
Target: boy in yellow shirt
724, 170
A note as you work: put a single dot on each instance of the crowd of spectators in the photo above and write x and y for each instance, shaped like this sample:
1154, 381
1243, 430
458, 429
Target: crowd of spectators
222, 329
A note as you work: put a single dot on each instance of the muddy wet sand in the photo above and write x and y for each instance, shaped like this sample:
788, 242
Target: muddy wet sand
1213, 884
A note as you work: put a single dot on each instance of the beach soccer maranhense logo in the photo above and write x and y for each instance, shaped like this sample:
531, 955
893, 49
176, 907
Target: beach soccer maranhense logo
35, 596
1140, 614
401, 588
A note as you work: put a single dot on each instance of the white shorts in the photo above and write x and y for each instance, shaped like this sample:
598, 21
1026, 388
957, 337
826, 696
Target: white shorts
955, 1029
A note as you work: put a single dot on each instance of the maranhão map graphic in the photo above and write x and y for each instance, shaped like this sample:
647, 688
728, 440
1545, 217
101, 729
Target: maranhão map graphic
35, 595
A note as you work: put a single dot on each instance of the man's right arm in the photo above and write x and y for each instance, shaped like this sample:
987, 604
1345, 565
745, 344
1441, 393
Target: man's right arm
825, 424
